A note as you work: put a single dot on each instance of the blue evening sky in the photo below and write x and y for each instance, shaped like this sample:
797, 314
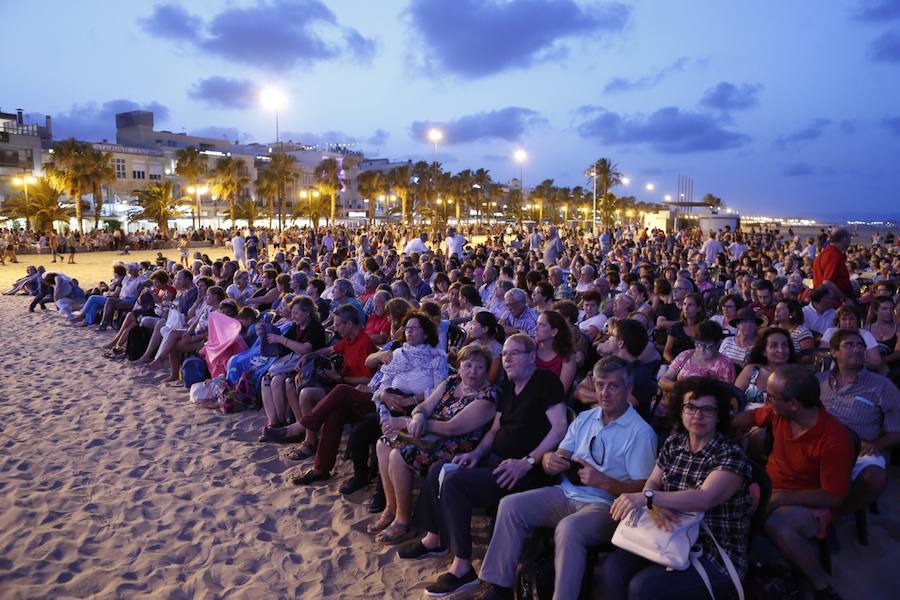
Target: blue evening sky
789, 108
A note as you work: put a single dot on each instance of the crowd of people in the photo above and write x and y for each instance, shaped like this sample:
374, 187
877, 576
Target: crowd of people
553, 378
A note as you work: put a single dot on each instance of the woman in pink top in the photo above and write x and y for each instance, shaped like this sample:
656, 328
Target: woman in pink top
704, 360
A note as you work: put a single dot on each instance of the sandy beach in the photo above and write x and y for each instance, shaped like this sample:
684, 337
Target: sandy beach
112, 486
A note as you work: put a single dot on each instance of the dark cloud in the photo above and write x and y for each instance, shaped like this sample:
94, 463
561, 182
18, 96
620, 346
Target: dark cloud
230, 134
476, 38
509, 124
727, 96
813, 131
275, 35
849, 126
623, 84
800, 169
878, 10
668, 130
331, 138
892, 124
93, 122
886, 47
226, 93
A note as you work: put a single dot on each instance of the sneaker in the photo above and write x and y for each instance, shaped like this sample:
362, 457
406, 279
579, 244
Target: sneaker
829, 593
448, 583
417, 550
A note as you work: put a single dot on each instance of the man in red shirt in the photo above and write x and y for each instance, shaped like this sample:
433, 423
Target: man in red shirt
830, 266
809, 466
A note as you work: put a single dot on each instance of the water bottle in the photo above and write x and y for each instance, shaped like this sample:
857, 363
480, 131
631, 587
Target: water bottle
385, 413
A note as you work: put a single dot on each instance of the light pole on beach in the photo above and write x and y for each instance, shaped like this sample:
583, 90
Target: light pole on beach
198, 190
435, 136
520, 156
273, 99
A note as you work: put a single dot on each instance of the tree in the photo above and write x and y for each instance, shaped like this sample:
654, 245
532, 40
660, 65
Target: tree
42, 209
399, 181
370, 185
328, 182
605, 175
158, 204
267, 190
482, 179
191, 165
247, 210
712, 201
312, 206
99, 172
277, 176
69, 173
228, 182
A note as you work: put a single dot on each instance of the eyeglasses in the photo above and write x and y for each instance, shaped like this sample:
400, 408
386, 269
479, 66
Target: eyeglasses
852, 345
602, 450
706, 411
412, 327
705, 345
511, 353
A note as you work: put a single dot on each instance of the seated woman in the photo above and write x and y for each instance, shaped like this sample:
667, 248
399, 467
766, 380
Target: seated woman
849, 317
415, 369
93, 306
699, 469
789, 316
24, 284
884, 329
737, 348
772, 350
452, 308
451, 421
542, 296
161, 295
305, 335
555, 350
729, 305
240, 291
186, 295
486, 332
680, 336
267, 293
704, 360
193, 335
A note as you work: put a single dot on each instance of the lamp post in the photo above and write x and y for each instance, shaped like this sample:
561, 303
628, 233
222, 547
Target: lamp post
273, 99
520, 156
435, 136
198, 190
24, 181
309, 194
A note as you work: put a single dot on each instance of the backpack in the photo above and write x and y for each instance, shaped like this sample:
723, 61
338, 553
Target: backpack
193, 370
138, 341
235, 397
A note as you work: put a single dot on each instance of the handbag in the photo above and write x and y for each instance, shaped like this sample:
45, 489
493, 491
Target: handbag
640, 535
265, 348
284, 365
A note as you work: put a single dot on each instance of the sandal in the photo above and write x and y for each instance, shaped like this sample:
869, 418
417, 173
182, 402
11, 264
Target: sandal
302, 452
383, 521
114, 352
396, 532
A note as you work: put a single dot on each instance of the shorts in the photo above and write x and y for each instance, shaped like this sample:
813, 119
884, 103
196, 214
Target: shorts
863, 462
824, 517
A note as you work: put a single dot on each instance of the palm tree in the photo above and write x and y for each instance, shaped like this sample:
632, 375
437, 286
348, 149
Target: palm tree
267, 190
42, 209
158, 204
281, 173
228, 181
312, 206
423, 178
712, 201
191, 165
398, 180
605, 175
247, 210
69, 172
99, 172
370, 185
328, 182
482, 178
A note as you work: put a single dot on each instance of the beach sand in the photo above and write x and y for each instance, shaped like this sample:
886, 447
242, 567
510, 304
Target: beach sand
112, 486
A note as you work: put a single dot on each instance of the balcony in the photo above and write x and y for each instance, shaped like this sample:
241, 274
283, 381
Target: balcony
11, 127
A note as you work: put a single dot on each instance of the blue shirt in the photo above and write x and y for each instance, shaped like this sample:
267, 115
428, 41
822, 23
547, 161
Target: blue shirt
624, 450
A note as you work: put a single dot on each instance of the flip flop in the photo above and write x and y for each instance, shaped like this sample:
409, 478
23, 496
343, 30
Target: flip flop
302, 452
381, 523
392, 534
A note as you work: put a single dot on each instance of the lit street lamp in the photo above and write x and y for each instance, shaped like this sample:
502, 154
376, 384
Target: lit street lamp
520, 156
435, 136
310, 194
198, 190
273, 99
24, 181
650, 187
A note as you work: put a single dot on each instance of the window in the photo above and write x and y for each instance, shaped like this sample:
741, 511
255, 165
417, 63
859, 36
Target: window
119, 164
135, 174
156, 170
138, 169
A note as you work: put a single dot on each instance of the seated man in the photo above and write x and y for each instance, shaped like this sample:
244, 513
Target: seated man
809, 467
607, 451
869, 405
520, 317
530, 421
127, 296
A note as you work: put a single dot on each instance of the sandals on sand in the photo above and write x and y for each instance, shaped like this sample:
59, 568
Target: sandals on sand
114, 352
310, 476
394, 533
302, 452
382, 522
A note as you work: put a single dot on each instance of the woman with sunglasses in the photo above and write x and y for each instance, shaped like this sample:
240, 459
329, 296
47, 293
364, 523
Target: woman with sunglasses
699, 469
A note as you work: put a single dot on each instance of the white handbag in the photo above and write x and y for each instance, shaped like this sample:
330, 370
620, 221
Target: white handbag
640, 535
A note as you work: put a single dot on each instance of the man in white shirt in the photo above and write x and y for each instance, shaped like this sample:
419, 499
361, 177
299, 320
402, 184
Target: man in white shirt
455, 244
417, 245
237, 244
711, 248
737, 249
818, 315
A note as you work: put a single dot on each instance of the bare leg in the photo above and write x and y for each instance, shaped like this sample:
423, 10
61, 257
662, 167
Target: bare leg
155, 340
401, 481
127, 324
866, 488
272, 419
383, 451
165, 349
793, 529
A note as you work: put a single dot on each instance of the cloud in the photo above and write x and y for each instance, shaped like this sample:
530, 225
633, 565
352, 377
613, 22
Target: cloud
476, 38
726, 96
669, 130
230, 134
622, 84
92, 122
849, 126
892, 124
339, 138
509, 124
813, 131
800, 169
226, 93
276, 35
878, 10
886, 47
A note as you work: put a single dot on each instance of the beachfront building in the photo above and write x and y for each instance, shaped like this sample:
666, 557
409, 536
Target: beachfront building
20, 151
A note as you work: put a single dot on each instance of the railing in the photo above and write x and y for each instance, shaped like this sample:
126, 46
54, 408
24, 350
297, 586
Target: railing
13, 127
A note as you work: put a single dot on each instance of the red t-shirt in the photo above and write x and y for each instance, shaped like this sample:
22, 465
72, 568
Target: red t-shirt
378, 324
355, 354
820, 458
831, 266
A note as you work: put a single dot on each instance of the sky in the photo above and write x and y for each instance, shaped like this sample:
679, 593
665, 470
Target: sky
784, 108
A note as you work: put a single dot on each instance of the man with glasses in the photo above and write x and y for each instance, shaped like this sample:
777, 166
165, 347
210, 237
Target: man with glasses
530, 421
607, 451
809, 466
869, 405
521, 317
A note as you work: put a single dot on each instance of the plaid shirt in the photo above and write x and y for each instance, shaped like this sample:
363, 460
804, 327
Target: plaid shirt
526, 322
729, 522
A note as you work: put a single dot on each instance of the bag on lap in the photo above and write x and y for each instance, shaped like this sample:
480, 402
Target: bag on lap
138, 341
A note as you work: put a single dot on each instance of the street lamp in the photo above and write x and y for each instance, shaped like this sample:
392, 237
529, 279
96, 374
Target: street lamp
309, 194
273, 99
625, 181
198, 190
435, 136
24, 181
650, 187
520, 156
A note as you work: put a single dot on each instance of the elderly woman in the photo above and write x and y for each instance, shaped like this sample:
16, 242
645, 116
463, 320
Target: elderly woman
737, 348
772, 350
699, 469
415, 369
451, 421
240, 290
703, 360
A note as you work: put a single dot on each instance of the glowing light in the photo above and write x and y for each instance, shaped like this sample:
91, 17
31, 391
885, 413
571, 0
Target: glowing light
625, 181
650, 187
520, 155
272, 98
435, 135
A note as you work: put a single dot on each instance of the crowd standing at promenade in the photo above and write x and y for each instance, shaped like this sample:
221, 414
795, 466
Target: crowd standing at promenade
560, 381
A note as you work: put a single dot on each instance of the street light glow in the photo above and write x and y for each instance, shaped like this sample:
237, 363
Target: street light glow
520, 156
625, 181
650, 187
668, 197
272, 98
435, 135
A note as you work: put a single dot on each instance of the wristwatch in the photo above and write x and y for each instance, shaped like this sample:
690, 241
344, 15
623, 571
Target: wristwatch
648, 494
530, 460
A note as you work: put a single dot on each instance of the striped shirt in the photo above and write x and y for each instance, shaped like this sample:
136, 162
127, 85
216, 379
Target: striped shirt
526, 322
870, 405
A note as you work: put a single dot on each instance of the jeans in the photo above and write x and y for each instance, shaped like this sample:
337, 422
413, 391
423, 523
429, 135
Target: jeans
629, 576
344, 404
93, 308
362, 436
